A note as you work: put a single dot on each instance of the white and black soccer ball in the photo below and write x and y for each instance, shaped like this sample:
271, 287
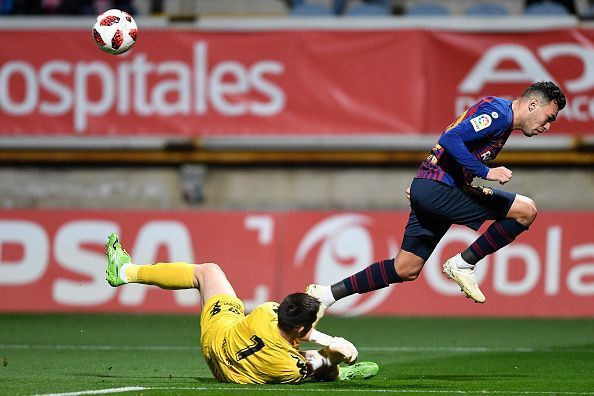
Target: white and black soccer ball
115, 31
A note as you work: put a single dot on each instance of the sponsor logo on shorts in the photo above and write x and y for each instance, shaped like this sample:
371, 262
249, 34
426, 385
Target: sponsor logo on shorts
481, 122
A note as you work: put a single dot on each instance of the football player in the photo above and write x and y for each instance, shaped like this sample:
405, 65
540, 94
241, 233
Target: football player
441, 194
259, 348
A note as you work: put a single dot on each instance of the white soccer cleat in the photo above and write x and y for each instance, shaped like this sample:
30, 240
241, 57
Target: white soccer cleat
317, 292
465, 278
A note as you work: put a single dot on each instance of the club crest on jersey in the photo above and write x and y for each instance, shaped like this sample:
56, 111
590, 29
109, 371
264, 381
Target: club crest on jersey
481, 122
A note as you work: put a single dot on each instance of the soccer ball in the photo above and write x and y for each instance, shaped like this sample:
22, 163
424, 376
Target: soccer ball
115, 31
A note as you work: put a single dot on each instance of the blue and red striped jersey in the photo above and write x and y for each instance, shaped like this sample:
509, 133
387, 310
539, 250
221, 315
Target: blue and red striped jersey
476, 137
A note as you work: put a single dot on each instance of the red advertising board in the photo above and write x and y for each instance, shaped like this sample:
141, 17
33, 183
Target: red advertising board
286, 82
54, 260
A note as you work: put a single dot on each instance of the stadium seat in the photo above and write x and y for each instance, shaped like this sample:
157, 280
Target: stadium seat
427, 9
310, 10
6, 6
487, 9
545, 8
589, 13
240, 8
368, 10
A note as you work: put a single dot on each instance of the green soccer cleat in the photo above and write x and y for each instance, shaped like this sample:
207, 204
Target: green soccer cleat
361, 370
116, 258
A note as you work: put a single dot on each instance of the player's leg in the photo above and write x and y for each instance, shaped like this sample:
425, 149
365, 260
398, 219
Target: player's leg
510, 221
472, 208
523, 210
441, 203
421, 235
376, 276
212, 281
121, 270
208, 278
508, 224
217, 314
406, 266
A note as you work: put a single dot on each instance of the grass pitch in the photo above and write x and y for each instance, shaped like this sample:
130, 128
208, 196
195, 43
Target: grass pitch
159, 354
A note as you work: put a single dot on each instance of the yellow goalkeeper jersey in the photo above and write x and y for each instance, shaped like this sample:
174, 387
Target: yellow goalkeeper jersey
248, 349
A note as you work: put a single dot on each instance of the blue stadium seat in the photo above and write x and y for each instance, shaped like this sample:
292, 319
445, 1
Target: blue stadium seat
310, 10
6, 6
368, 10
545, 8
427, 9
339, 6
487, 9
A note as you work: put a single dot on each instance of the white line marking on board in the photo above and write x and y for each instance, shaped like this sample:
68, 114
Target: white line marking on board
277, 388
469, 349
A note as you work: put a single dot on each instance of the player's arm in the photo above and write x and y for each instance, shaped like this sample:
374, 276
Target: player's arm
340, 349
315, 361
454, 143
320, 367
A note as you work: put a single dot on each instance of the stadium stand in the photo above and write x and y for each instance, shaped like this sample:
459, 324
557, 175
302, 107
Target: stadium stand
545, 8
369, 9
487, 9
306, 9
428, 9
226, 8
191, 9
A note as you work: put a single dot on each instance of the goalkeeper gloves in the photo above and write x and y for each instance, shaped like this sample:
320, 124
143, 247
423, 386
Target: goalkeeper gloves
338, 345
345, 348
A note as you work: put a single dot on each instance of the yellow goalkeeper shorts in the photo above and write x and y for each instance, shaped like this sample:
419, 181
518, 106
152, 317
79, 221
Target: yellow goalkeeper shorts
219, 314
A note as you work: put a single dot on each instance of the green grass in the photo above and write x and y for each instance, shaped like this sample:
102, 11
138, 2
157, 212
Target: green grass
42, 354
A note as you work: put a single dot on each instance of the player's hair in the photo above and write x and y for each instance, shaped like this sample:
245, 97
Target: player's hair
296, 310
547, 90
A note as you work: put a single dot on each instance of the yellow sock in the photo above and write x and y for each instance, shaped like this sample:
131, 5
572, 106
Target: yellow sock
131, 272
165, 275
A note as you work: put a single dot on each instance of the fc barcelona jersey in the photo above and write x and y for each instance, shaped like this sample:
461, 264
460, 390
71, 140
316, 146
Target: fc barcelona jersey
476, 137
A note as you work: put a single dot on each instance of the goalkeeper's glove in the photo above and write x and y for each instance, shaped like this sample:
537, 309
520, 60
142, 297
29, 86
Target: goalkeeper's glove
315, 360
338, 345
345, 348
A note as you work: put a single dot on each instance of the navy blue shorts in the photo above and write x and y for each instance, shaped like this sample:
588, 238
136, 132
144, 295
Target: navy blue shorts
435, 206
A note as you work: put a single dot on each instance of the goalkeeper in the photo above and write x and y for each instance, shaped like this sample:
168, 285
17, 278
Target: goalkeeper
259, 348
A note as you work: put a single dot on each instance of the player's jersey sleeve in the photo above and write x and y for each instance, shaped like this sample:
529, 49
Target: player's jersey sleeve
486, 123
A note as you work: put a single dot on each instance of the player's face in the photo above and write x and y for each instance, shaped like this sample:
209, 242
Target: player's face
540, 118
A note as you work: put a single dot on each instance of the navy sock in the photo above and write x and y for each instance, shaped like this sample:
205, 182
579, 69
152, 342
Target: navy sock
499, 234
376, 276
